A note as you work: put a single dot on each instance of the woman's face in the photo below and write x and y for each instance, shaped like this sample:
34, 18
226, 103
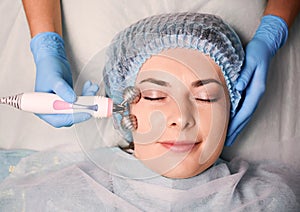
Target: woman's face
182, 115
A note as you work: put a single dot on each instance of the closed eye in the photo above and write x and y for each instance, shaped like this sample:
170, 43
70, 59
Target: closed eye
206, 100
208, 93
153, 98
154, 95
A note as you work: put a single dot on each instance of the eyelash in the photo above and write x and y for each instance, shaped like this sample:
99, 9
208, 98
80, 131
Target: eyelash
154, 99
206, 100
162, 98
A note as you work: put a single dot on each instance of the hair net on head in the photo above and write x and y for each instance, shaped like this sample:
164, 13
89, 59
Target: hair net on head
206, 33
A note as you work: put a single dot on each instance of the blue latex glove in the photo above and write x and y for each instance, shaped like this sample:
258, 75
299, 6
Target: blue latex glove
53, 75
269, 37
89, 89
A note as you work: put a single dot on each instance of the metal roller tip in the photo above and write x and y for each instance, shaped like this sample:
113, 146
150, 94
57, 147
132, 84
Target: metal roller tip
131, 95
129, 122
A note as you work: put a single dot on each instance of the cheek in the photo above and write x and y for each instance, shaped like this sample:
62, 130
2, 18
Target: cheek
213, 118
217, 128
153, 117
149, 115
205, 115
141, 111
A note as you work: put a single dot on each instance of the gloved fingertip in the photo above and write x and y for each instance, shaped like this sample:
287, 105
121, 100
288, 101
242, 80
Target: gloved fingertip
57, 121
240, 85
230, 139
95, 87
233, 126
228, 142
81, 117
90, 89
87, 84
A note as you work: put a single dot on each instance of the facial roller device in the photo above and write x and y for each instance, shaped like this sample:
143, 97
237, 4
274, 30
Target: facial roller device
47, 103
131, 95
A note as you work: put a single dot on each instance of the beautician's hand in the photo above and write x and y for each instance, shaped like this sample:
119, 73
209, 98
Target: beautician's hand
53, 75
89, 89
269, 37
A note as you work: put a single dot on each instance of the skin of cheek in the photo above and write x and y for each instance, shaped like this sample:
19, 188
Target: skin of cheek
215, 135
152, 127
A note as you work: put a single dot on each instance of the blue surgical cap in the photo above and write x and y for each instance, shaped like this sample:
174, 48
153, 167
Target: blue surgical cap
206, 33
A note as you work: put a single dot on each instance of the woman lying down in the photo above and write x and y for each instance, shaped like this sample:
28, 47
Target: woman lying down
185, 66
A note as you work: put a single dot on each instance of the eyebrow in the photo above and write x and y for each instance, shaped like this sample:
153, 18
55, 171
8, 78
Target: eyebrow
156, 81
199, 83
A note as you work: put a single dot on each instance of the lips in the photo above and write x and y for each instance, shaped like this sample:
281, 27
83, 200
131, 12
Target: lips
179, 146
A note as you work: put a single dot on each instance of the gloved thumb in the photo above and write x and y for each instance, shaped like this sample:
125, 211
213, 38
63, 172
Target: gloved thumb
64, 91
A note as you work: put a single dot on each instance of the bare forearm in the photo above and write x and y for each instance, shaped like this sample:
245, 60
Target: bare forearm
43, 16
286, 9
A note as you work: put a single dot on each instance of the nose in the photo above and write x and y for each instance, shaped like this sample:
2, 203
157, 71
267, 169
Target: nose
184, 117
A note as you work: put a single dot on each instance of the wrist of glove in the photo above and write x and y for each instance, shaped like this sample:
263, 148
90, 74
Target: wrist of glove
47, 43
273, 31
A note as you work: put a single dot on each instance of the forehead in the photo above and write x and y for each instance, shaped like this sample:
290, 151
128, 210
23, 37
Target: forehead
183, 64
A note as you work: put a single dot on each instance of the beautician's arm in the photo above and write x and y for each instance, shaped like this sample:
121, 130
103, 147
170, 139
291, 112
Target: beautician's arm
269, 37
286, 9
53, 74
43, 16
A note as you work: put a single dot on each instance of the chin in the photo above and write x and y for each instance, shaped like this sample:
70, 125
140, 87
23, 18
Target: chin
188, 168
179, 165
